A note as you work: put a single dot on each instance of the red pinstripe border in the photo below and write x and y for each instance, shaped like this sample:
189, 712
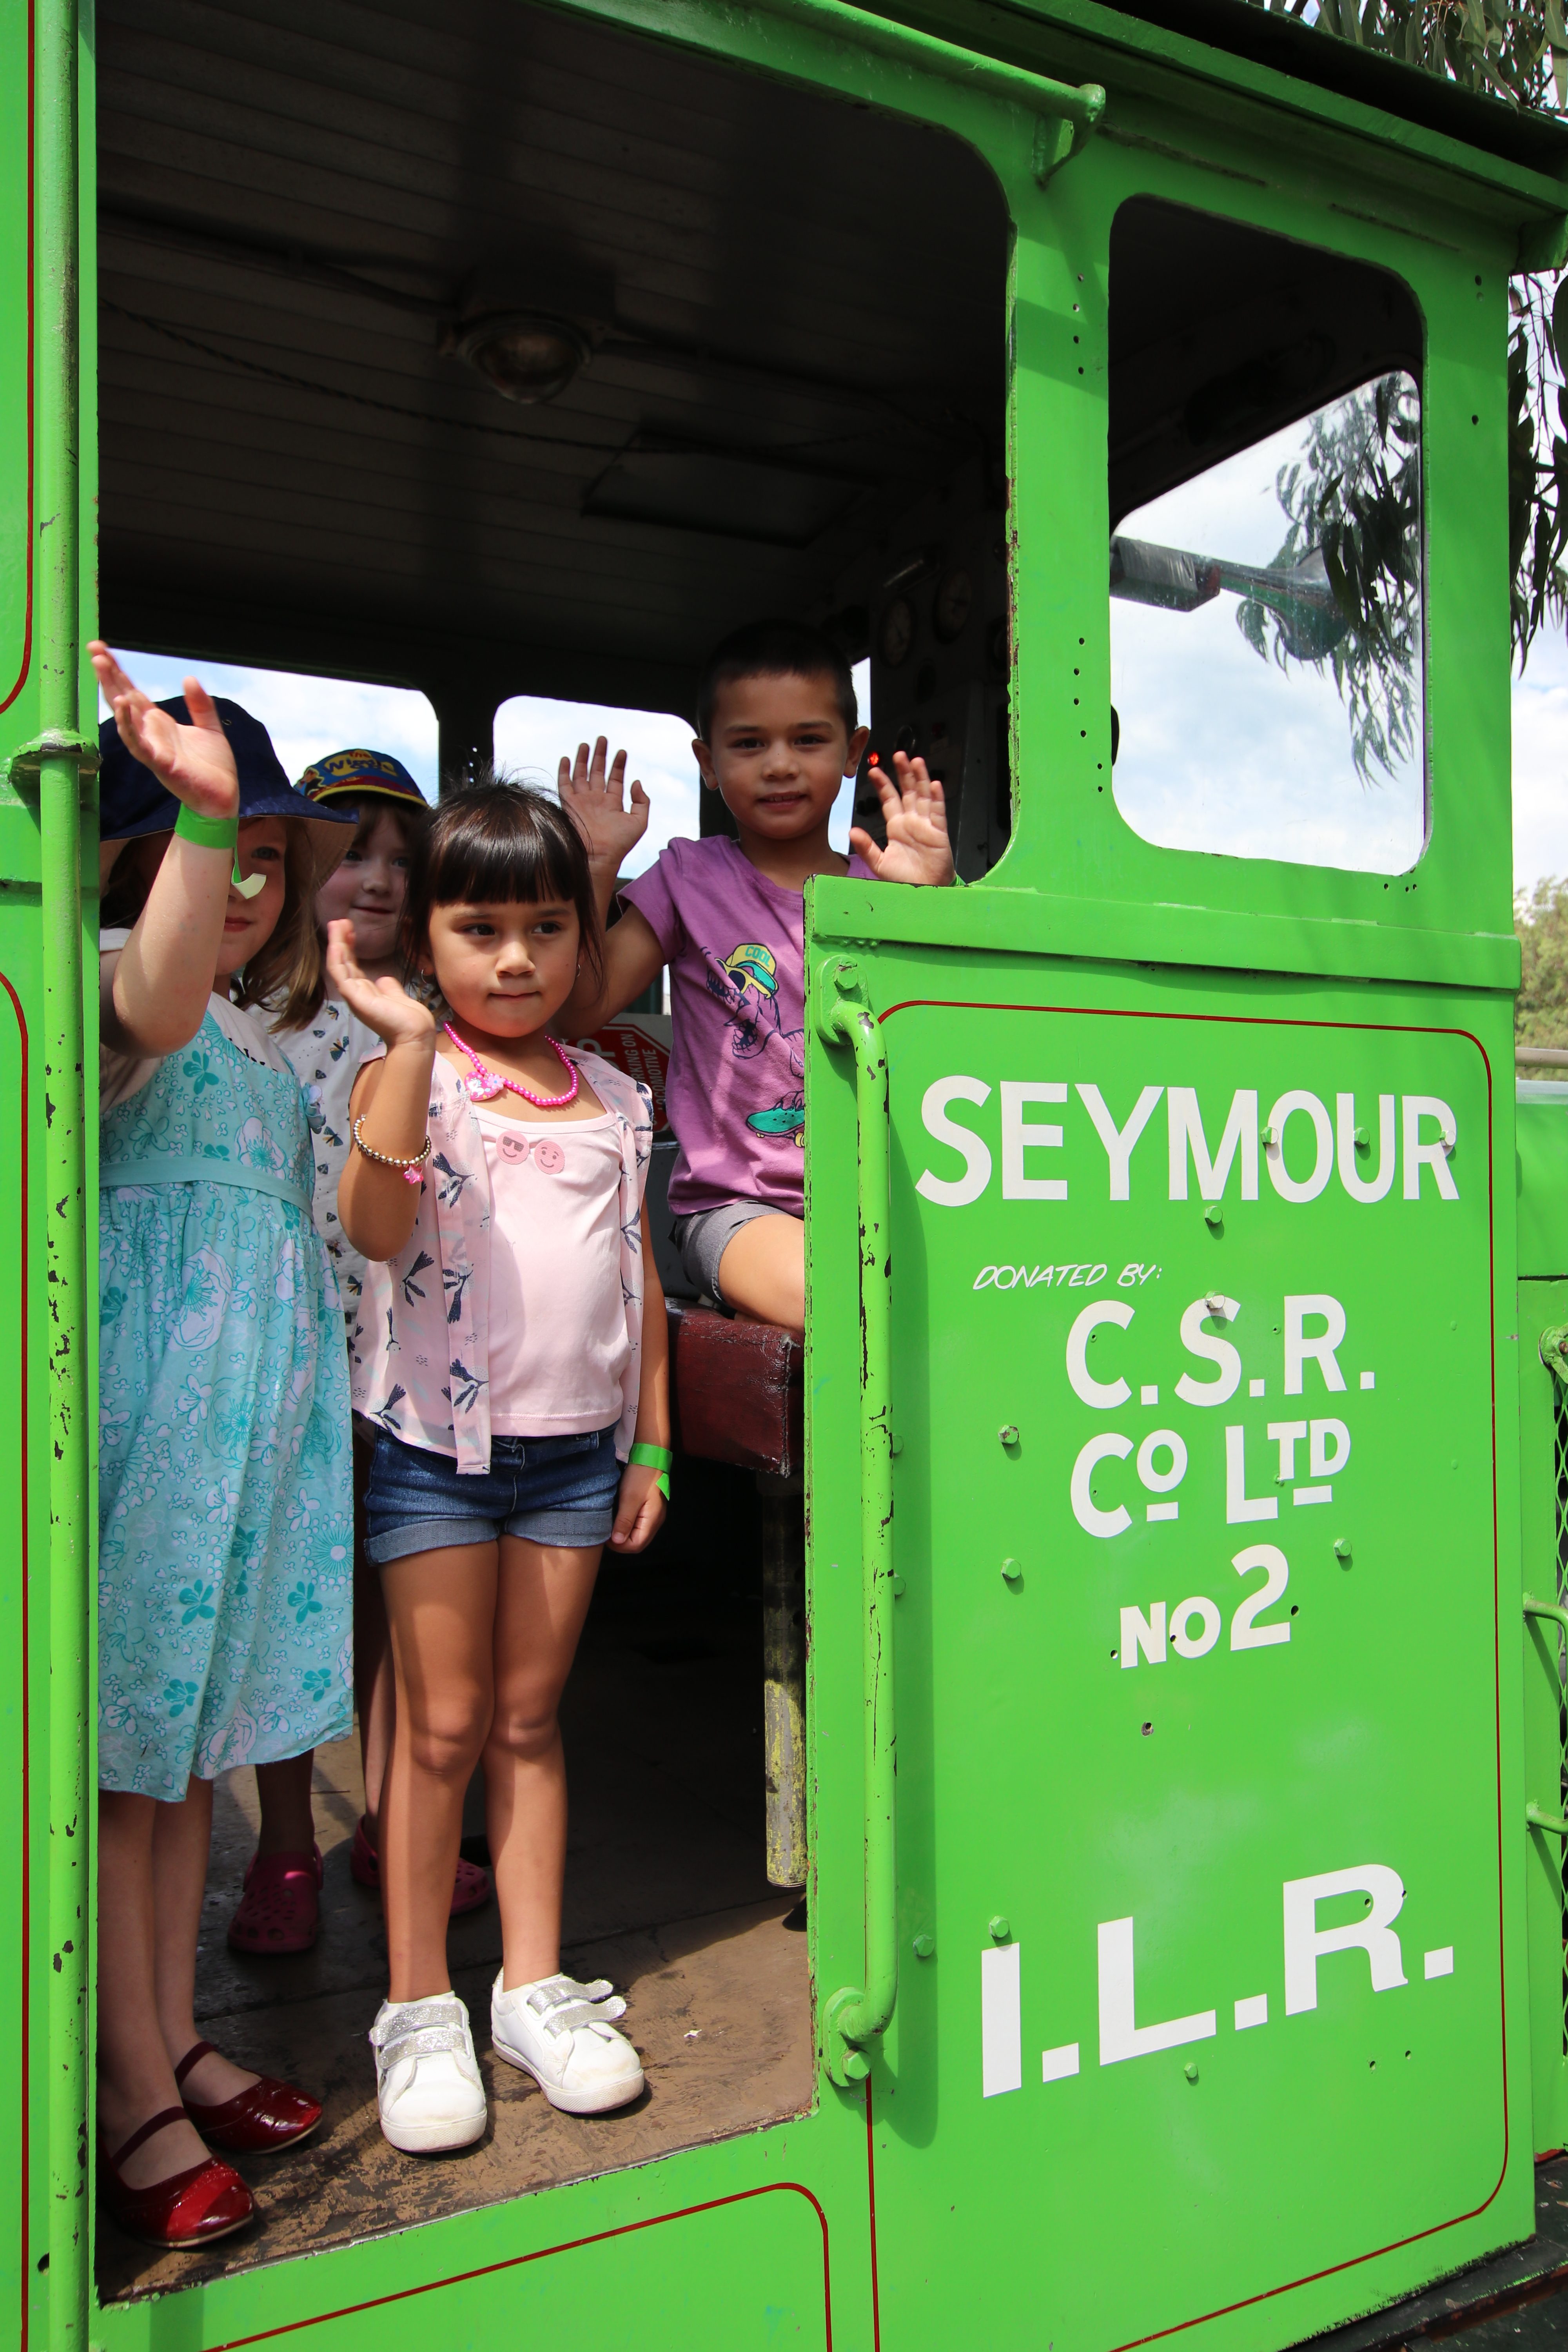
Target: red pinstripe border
569, 2246
1381, 1029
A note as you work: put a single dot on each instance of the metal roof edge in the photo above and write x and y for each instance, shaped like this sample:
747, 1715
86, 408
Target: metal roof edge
1252, 52
1535, 142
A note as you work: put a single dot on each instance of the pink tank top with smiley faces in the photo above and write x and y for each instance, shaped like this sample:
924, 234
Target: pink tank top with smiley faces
558, 1343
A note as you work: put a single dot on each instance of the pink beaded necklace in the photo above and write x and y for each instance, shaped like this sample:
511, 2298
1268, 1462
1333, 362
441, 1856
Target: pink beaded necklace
486, 1084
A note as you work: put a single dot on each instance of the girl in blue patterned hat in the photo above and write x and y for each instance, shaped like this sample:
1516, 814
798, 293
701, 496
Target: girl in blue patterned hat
224, 1525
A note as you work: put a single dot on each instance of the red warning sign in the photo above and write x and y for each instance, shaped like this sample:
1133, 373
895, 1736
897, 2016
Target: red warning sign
638, 1043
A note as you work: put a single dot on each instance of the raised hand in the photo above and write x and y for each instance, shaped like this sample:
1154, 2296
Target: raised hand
194, 762
594, 796
915, 815
384, 1005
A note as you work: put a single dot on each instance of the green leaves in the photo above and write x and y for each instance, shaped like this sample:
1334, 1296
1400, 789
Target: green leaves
1518, 54
1541, 921
1514, 53
1353, 501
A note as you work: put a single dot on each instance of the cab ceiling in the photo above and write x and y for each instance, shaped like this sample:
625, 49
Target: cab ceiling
796, 307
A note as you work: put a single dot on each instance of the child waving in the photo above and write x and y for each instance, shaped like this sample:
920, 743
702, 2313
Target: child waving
779, 733
225, 1519
513, 1352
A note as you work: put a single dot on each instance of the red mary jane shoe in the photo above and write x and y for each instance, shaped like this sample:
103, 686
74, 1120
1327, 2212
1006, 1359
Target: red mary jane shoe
207, 2200
257, 2121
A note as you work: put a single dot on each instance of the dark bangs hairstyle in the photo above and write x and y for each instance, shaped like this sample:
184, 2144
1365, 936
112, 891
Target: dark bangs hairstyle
775, 649
495, 843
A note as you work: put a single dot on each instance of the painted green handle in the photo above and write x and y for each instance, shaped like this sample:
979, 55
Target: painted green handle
1080, 107
63, 2203
1536, 1817
855, 2014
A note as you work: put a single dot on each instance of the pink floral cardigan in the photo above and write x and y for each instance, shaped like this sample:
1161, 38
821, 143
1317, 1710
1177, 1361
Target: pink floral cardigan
419, 1352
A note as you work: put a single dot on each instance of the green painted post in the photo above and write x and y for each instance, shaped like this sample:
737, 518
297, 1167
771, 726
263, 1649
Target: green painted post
855, 2014
57, 592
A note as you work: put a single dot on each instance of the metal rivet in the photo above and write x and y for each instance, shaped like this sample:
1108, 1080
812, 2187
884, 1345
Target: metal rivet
1000, 1929
1213, 1214
1342, 1550
899, 1587
1009, 1432
1271, 1136
924, 1947
1190, 2070
895, 1444
1011, 1570
1363, 1138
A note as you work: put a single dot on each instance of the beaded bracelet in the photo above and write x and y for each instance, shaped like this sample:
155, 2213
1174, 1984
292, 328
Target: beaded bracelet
409, 1170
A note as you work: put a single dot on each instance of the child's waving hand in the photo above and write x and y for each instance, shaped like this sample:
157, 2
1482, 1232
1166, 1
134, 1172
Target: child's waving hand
384, 1005
594, 798
194, 762
914, 813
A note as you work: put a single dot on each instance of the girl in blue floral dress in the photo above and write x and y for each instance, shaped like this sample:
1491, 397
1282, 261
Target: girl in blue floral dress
225, 1514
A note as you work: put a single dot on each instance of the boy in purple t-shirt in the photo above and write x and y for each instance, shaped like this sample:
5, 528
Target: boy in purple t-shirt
779, 732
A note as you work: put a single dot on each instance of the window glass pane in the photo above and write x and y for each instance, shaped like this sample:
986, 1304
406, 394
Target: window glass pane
1266, 645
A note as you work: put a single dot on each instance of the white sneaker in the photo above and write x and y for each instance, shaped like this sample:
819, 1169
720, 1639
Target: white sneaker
558, 2030
428, 2082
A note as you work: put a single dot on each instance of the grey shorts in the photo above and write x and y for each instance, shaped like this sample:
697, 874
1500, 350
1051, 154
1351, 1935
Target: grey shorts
703, 1238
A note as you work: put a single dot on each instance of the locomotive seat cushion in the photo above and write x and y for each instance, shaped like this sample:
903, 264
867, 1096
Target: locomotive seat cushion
735, 1389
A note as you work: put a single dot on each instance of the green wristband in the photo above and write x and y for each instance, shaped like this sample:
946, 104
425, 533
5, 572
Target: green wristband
654, 1457
207, 832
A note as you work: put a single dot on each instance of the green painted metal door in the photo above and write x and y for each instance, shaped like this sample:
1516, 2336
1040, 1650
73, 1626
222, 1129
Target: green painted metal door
1206, 1742
1207, 1884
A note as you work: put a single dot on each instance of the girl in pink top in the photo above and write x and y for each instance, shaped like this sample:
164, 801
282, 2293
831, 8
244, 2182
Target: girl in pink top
511, 1348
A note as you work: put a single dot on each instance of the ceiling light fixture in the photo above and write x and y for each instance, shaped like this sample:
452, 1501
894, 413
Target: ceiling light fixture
525, 355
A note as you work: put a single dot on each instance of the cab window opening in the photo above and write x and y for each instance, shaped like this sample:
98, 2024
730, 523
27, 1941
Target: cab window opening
756, 401
1266, 567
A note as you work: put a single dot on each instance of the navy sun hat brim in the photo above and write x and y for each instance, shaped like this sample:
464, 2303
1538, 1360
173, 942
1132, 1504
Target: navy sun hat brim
132, 803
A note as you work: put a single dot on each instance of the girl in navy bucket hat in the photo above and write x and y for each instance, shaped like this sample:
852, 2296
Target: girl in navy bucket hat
225, 1516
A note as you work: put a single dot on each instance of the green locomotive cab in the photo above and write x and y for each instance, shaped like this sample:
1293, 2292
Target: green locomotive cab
1128, 387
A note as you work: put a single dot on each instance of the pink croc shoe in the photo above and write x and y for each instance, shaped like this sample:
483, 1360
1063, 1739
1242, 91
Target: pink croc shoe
470, 1888
280, 1911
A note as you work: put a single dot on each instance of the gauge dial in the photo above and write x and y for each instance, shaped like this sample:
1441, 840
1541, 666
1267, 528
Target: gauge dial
950, 610
898, 632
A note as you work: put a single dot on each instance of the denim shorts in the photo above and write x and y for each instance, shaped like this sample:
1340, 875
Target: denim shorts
552, 1490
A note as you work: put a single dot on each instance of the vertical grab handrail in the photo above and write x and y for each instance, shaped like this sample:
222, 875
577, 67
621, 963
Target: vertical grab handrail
62, 756
855, 2014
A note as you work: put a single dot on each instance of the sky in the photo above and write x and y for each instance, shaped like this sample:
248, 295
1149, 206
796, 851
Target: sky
1193, 690
1220, 749
310, 717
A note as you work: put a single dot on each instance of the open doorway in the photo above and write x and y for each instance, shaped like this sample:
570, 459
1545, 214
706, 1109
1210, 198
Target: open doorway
763, 335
